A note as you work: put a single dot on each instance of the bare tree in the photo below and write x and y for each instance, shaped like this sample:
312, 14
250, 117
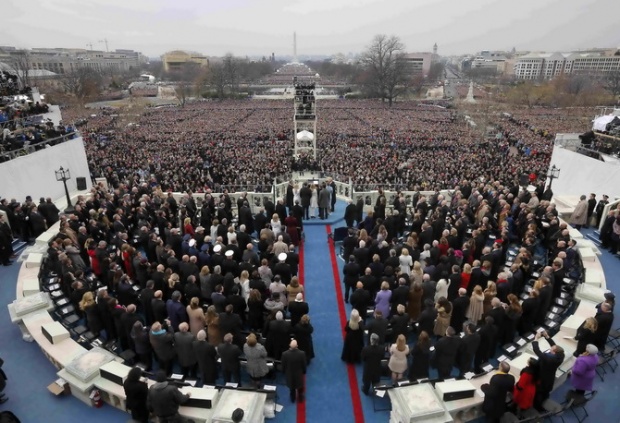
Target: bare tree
232, 69
83, 83
612, 82
186, 78
21, 65
218, 79
385, 73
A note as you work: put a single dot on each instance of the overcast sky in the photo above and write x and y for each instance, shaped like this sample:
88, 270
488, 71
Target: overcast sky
259, 27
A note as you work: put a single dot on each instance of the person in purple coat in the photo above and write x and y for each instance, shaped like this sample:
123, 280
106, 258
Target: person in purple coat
584, 370
382, 300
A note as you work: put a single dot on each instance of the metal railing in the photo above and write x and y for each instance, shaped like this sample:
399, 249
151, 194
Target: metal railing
31, 147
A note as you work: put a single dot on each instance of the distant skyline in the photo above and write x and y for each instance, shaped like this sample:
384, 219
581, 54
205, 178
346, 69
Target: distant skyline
324, 27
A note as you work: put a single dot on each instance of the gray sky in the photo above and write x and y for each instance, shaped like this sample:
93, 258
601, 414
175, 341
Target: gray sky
259, 27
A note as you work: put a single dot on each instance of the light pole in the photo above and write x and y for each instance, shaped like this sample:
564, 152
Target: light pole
553, 173
64, 175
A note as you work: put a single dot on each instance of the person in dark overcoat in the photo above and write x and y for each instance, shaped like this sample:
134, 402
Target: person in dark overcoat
494, 405
183, 344
229, 354
446, 351
303, 334
136, 394
354, 339
350, 213
371, 358
548, 363
206, 357
305, 194
294, 368
278, 336
421, 355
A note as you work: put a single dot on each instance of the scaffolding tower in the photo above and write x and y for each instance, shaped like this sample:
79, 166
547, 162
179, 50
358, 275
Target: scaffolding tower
304, 119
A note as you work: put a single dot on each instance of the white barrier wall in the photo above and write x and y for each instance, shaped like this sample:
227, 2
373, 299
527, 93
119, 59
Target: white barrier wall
580, 174
34, 174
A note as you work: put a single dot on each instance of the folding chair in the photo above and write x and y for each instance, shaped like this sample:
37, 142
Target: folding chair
614, 338
554, 409
607, 359
579, 402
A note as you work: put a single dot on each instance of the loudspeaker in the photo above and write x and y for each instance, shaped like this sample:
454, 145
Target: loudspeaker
81, 183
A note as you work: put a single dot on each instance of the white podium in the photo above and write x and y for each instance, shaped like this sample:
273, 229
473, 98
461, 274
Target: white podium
417, 403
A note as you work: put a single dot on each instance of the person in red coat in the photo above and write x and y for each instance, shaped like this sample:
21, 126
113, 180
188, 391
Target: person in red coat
525, 389
292, 228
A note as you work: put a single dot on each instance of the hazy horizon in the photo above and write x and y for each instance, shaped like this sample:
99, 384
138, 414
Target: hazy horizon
323, 27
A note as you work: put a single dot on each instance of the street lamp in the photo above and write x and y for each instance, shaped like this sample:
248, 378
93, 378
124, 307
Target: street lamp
64, 175
553, 173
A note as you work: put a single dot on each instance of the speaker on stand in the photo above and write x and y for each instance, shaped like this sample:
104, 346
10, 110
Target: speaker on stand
81, 183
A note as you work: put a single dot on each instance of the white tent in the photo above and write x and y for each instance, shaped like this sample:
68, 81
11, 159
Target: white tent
600, 123
305, 136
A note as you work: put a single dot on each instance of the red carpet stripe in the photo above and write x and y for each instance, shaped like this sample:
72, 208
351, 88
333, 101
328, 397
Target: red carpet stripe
301, 406
353, 386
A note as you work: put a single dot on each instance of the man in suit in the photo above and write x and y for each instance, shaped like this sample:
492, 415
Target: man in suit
160, 312
455, 283
399, 322
206, 357
545, 296
359, 209
548, 363
362, 254
446, 350
229, 354
372, 355
469, 346
428, 287
230, 322
498, 313
324, 202
400, 295
351, 274
360, 300
459, 308
306, 194
350, 212
176, 311
378, 326
502, 382
164, 399
294, 368
605, 319
486, 348
559, 273
183, 345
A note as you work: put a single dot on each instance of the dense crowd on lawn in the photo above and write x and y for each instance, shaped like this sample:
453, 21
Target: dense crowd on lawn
246, 145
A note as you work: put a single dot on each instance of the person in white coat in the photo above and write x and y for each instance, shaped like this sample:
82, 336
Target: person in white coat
314, 202
405, 261
441, 290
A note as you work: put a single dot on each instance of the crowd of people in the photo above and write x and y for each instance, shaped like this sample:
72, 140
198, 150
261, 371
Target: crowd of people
190, 286
248, 144
464, 268
187, 289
